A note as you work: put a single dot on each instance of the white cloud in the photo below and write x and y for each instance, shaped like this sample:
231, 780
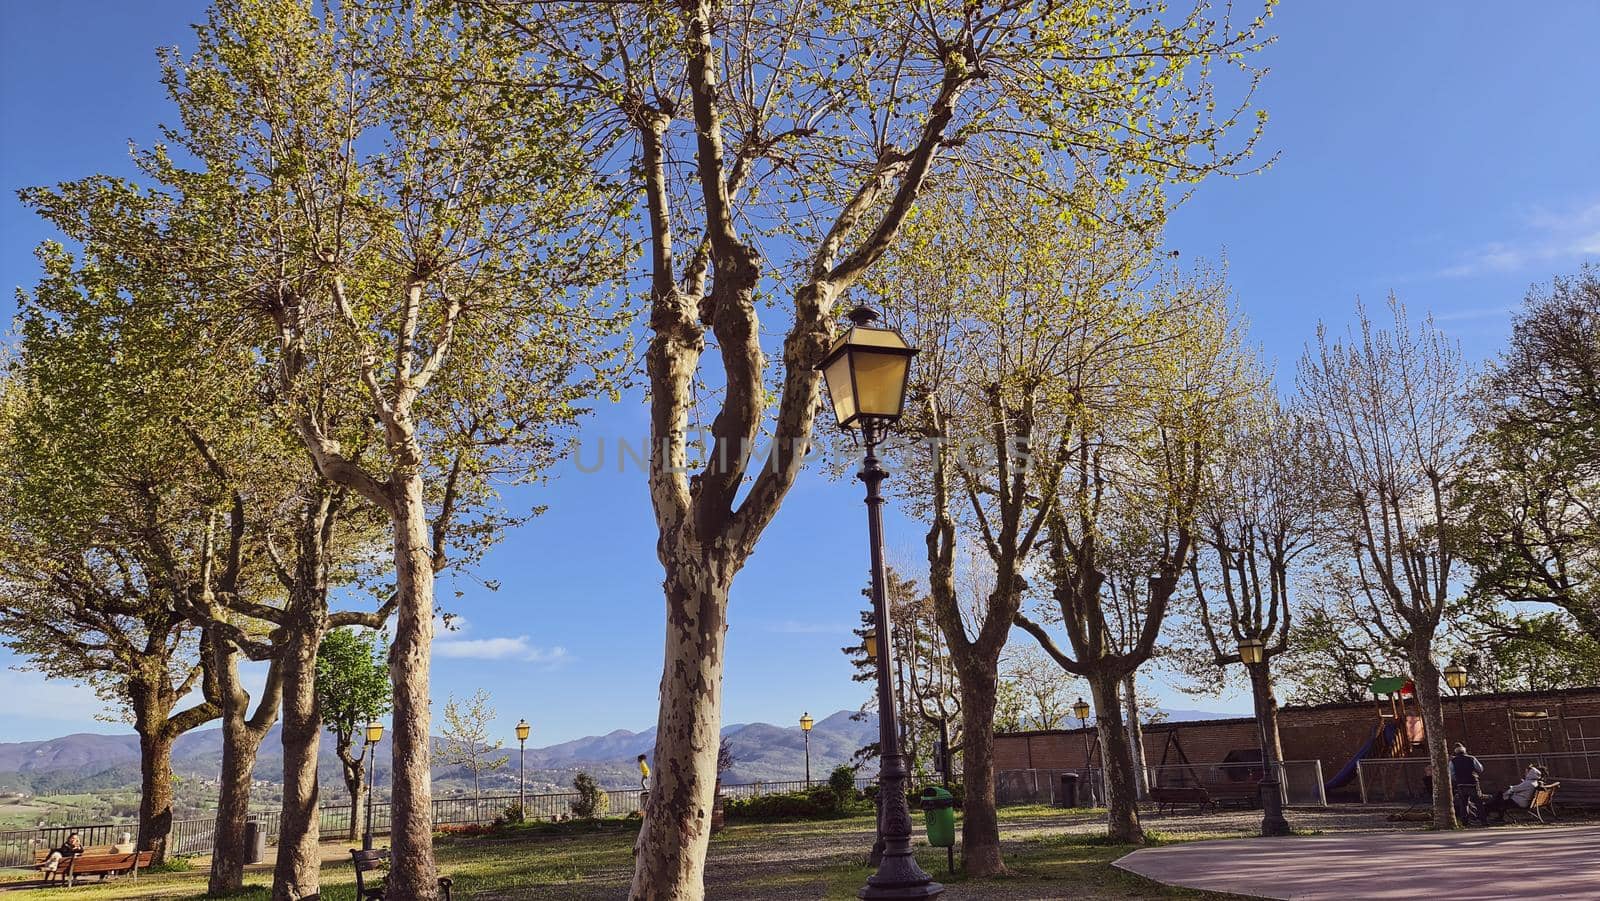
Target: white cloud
503, 648
1549, 235
1475, 313
482, 648
550, 657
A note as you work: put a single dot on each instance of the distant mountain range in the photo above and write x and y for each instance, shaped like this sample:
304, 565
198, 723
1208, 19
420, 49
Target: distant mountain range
86, 762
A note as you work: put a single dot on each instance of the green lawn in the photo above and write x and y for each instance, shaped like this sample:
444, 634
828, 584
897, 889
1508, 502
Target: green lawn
815, 859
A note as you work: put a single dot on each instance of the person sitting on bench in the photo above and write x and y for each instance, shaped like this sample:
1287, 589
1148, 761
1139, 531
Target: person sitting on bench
1519, 795
72, 847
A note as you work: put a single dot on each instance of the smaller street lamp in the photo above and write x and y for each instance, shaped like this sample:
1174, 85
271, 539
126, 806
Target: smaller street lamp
871, 646
1455, 676
522, 747
1080, 709
806, 722
1253, 653
374, 734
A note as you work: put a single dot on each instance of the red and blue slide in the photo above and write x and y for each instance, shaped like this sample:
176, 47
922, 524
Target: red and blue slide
1382, 738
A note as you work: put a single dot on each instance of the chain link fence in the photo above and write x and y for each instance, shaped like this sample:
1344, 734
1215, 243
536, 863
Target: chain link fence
1300, 782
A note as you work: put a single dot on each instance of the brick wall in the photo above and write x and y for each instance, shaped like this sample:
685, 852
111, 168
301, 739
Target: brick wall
1332, 733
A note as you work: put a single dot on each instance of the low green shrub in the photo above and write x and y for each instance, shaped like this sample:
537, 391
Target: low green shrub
818, 803
592, 800
843, 782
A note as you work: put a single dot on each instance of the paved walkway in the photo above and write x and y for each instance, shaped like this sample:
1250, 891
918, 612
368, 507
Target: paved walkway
1532, 862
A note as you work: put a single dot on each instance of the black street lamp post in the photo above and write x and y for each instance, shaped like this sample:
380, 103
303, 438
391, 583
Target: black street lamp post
1080, 709
867, 370
522, 750
374, 734
944, 748
806, 723
1455, 676
1253, 653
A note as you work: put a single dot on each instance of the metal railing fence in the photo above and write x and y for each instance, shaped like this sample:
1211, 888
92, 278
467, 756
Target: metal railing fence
17, 846
1393, 780
1044, 786
193, 835
1300, 782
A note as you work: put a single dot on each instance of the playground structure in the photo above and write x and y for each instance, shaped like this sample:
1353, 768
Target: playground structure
1396, 734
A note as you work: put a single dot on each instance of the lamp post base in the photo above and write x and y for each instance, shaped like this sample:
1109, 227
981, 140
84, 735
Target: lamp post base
899, 876
875, 889
1272, 821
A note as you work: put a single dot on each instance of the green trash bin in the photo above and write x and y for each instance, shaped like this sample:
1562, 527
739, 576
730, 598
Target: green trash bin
939, 809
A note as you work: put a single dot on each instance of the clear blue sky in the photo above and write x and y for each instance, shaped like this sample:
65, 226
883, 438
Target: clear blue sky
1445, 151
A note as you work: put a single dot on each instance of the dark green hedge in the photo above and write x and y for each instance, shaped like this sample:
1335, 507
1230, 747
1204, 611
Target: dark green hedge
818, 803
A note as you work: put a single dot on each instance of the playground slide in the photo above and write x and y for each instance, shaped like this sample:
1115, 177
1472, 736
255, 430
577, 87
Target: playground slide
1382, 737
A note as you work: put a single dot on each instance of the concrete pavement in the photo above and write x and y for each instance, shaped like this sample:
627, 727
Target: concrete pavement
1496, 863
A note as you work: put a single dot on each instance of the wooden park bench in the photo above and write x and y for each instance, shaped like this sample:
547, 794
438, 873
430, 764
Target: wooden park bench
100, 862
1580, 792
367, 861
1247, 794
1169, 796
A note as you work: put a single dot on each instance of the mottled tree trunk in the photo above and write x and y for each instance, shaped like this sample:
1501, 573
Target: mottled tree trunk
155, 789
295, 874
980, 824
1116, 756
672, 842
1266, 707
241, 739
239, 748
412, 873
1425, 676
354, 769
1130, 698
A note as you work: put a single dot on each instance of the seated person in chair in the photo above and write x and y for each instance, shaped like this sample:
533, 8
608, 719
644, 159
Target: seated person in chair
1519, 795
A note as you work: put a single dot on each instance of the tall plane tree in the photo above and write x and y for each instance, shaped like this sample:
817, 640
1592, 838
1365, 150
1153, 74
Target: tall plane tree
1123, 522
1257, 525
778, 150
423, 243
1014, 309
1388, 406
352, 690
181, 387
1532, 501
276, 516
110, 533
